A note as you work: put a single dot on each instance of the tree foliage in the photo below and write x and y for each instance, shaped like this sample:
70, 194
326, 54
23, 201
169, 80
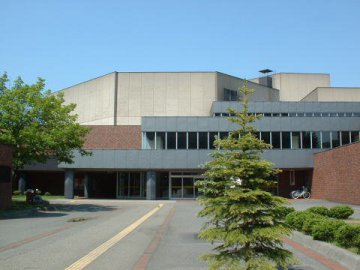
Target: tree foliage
245, 221
37, 123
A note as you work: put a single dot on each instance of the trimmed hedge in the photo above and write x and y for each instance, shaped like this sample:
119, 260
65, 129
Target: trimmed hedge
320, 210
341, 212
326, 229
346, 235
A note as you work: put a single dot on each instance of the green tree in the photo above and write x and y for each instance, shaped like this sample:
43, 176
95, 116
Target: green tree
37, 124
245, 221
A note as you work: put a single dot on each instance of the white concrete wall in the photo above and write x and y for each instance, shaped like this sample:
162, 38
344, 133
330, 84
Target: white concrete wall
295, 86
333, 94
94, 100
164, 94
262, 93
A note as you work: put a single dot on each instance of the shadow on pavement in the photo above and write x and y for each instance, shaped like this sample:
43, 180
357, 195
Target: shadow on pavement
80, 207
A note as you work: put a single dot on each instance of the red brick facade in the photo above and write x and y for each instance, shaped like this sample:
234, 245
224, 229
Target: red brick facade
113, 137
6, 155
337, 174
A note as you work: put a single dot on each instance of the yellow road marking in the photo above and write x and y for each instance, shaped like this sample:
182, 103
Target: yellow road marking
94, 254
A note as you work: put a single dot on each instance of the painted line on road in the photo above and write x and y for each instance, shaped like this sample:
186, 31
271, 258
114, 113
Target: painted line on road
143, 262
333, 265
97, 252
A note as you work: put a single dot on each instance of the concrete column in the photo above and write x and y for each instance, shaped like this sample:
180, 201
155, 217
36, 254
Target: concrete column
69, 184
150, 185
22, 183
86, 186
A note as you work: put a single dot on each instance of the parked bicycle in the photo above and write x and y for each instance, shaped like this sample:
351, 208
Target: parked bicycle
304, 192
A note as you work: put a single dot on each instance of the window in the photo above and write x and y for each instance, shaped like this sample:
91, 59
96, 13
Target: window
265, 136
149, 140
160, 140
285, 139
230, 95
192, 140
292, 178
295, 140
354, 136
224, 135
212, 139
326, 139
275, 139
284, 114
203, 140
275, 114
335, 139
267, 114
181, 140
316, 142
171, 140
333, 114
217, 114
345, 137
300, 114
317, 114
292, 114
306, 140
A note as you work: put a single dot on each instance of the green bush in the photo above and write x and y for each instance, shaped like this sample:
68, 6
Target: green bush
17, 192
310, 221
283, 211
341, 212
320, 210
296, 219
346, 234
326, 229
356, 242
47, 194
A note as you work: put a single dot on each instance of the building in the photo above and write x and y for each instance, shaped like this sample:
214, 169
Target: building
150, 131
6, 159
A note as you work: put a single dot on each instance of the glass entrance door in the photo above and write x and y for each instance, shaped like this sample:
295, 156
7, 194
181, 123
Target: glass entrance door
182, 186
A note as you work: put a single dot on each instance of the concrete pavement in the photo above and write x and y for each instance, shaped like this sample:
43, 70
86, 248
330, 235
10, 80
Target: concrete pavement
166, 240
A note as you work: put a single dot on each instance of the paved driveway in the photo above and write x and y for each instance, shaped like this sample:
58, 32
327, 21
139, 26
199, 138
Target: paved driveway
100, 234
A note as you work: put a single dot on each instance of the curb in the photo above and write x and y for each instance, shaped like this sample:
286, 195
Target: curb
342, 256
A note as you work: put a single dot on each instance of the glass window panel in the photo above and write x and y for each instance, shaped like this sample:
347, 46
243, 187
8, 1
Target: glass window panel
356, 114
300, 114
316, 139
325, 114
333, 114
225, 114
181, 140
212, 139
230, 95
308, 114
275, 139
292, 114
345, 137
257, 135
203, 140
284, 114
171, 140
267, 114
295, 140
317, 114
285, 139
192, 140
160, 140
224, 135
354, 136
325, 135
150, 140
134, 184
335, 139
217, 114
265, 136
188, 187
306, 140
275, 114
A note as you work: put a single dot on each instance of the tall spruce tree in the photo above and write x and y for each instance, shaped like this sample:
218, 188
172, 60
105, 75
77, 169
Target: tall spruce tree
245, 221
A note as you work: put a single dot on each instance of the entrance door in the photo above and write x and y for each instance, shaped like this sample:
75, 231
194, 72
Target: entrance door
182, 185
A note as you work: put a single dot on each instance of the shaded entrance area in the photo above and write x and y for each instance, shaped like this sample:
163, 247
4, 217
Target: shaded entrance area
102, 185
289, 180
52, 182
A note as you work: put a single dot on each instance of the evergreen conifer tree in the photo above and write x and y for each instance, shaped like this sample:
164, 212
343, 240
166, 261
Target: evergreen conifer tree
245, 221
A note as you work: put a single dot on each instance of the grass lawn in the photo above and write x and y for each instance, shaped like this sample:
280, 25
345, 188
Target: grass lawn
19, 203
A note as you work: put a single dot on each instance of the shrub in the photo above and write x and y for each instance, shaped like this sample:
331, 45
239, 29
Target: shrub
310, 221
320, 210
283, 211
296, 219
341, 212
47, 194
346, 235
17, 192
326, 229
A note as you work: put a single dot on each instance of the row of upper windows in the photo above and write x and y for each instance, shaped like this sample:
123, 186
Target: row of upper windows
299, 114
278, 139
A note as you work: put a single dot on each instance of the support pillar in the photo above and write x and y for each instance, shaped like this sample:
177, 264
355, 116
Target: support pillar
150, 185
22, 183
86, 186
69, 184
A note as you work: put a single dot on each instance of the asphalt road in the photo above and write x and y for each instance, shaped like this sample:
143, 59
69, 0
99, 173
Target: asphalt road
57, 239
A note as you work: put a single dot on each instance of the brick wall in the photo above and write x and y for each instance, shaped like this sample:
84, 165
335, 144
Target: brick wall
113, 137
337, 174
6, 155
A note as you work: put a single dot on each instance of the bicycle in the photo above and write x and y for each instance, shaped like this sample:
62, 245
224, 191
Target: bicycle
296, 194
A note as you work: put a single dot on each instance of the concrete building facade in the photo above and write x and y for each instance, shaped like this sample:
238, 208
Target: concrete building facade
151, 131
6, 156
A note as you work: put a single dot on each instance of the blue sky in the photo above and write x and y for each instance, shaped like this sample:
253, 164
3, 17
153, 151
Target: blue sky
70, 41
